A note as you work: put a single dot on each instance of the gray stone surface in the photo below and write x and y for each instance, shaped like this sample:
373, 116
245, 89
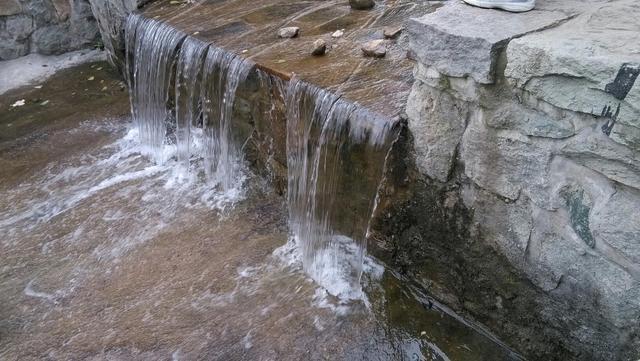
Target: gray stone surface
52, 39
111, 16
438, 121
595, 150
549, 160
10, 7
504, 162
45, 26
460, 40
530, 122
595, 64
615, 223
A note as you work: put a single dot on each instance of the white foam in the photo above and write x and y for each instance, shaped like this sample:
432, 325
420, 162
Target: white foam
336, 289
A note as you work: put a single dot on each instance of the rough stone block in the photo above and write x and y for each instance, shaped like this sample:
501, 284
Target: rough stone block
504, 162
63, 9
10, 7
11, 49
585, 65
18, 27
596, 151
437, 122
530, 122
616, 222
460, 40
54, 39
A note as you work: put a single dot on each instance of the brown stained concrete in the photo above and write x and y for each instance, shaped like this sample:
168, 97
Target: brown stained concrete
250, 29
68, 98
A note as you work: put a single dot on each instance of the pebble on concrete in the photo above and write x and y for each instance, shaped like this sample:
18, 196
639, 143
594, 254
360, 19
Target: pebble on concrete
392, 33
288, 32
362, 4
319, 47
374, 48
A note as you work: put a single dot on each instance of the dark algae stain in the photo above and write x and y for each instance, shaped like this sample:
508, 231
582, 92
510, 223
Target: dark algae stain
579, 209
624, 81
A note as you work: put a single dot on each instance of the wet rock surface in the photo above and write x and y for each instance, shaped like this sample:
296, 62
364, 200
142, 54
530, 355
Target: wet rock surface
319, 47
362, 4
243, 29
375, 48
288, 32
392, 33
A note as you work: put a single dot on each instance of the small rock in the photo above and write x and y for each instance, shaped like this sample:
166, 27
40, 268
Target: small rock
90, 78
288, 32
374, 48
423, 333
44, 103
245, 51
18, 103
319, 47
392, 33
362, 4
38, 87
337, 33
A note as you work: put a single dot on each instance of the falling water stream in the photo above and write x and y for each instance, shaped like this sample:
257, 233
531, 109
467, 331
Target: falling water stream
322, 130
154, 240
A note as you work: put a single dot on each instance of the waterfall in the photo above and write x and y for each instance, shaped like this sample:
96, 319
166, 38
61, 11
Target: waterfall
151, 48
223, 72
336, 151
329, 200
204, 80
188, 96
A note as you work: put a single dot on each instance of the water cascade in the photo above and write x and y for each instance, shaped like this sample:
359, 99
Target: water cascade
204, 79
335, 151
336, 154
151, 54
188, 96
222, 74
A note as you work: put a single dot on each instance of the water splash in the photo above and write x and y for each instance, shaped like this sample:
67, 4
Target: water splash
151, 47
329, 199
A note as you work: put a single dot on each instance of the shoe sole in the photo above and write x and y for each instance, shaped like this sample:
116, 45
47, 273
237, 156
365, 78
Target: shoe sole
508, 6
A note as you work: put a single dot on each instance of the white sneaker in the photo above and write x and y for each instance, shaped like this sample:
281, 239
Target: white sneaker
515, 6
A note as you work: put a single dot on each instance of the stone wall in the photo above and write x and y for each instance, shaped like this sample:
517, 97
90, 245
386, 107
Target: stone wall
527, 128
111, 16
45, 27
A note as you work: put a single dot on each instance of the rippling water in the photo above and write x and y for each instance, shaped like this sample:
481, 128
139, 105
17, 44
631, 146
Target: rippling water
107, 255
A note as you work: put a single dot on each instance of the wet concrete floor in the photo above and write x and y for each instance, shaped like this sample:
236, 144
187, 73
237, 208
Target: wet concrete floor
106, 256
